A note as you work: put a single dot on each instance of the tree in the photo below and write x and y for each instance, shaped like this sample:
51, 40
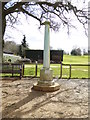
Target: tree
11, 46
20, 50
76, 51
24, 44
40, 10
3, 43
23, 47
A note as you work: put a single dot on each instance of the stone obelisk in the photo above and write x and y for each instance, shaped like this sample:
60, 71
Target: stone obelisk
46, 82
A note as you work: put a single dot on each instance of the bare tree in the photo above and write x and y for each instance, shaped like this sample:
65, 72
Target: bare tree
11, 46
58, 12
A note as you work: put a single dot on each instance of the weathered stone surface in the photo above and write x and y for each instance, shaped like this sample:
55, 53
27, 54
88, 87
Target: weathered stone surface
46, 74
20, 101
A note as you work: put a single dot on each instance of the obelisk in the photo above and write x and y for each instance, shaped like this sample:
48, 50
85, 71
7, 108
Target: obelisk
46, 82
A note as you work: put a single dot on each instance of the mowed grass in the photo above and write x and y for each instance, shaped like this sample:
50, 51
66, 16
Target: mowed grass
69, 59
76, 71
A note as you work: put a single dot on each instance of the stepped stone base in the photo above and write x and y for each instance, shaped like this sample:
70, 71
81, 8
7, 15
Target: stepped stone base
46, 82
44, 88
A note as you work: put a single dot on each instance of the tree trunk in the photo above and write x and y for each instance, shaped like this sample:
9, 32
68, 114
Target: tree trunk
3, 25
3, 19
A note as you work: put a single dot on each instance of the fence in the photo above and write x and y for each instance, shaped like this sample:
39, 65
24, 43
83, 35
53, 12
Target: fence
70, 68
11, 69
59, 70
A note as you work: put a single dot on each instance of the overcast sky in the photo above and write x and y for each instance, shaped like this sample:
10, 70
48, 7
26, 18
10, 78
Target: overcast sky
35, 36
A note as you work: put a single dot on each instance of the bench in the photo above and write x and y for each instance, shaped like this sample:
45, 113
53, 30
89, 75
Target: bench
12, 68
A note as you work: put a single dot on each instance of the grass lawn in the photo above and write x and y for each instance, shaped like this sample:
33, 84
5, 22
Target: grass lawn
76, 72
69, 59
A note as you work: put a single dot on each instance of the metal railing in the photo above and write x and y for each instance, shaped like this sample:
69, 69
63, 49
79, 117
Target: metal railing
70, 68
60, 68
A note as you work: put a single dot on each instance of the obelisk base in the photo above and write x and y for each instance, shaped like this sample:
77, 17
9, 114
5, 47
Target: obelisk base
46, 88
46, 82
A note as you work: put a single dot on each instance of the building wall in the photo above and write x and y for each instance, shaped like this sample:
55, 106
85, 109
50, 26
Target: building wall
37, 55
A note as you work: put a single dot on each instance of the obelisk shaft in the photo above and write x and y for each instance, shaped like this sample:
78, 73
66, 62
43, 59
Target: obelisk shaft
46, 60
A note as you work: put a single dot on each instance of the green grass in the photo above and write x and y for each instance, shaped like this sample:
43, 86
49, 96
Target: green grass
68, 59
29, 70
77, 71
80, 73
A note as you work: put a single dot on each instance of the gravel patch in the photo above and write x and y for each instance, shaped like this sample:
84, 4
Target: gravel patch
20, 101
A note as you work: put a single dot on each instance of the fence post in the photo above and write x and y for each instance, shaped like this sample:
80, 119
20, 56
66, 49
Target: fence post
23, 69
12, 69
61, 70
70, 72
36, 70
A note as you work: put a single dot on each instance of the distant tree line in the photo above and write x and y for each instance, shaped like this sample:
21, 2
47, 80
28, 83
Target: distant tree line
77, 51
17, 49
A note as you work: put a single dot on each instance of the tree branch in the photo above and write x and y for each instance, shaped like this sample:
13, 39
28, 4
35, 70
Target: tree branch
13, 8
24, 11
39, 11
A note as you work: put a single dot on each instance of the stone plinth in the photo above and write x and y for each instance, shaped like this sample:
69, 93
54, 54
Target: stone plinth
46, 88
46, 82
46, 77
46, 74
